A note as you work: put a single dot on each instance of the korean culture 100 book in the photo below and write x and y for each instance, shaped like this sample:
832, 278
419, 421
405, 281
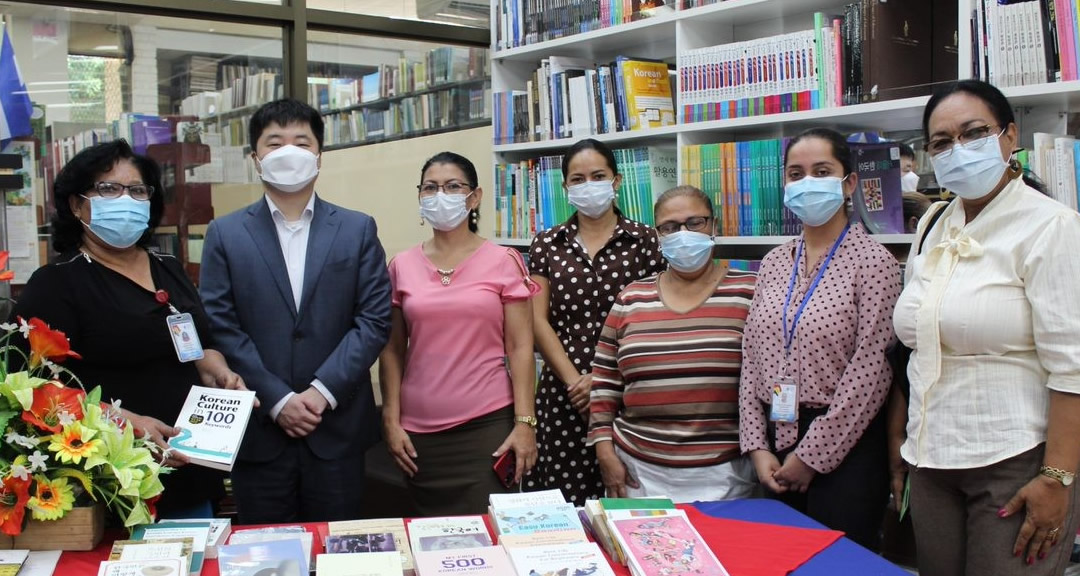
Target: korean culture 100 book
212, 424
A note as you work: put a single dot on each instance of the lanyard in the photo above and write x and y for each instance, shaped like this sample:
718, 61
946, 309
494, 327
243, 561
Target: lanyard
789, 335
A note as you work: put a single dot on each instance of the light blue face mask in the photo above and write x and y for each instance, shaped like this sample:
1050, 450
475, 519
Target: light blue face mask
815, 200
120, 221
687, 251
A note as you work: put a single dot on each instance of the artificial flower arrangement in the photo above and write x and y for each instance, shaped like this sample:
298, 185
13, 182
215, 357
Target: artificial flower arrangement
62, 447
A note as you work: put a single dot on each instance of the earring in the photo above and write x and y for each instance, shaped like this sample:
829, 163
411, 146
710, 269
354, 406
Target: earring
1015, 169
474, 216
848, 203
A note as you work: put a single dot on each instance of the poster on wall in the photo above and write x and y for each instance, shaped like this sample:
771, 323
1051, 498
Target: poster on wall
21, 209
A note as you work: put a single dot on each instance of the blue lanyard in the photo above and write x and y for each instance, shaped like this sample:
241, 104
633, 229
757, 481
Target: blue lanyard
789, 335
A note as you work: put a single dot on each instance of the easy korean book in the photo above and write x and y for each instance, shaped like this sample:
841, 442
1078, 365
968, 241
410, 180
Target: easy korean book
212, 424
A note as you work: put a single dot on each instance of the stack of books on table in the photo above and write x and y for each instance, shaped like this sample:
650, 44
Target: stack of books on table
168, 548
651, 537
371, 547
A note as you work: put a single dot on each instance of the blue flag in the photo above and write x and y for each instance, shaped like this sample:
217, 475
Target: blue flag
15, 107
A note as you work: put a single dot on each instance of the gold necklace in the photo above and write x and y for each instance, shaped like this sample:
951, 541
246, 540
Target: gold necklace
445, 275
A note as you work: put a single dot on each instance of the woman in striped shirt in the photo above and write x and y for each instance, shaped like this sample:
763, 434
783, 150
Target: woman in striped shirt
664, 403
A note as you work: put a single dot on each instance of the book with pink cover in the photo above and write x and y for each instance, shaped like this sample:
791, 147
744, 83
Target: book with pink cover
666, 546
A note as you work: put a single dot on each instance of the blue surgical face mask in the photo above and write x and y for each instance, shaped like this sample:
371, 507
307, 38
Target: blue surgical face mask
687, 251
592, 198
971, 173
444, 211
814, 200
120, 221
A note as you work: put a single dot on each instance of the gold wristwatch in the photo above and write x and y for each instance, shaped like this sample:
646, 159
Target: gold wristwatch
1066, 478
530, 420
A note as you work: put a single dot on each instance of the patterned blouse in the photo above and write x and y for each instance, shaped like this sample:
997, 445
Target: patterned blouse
837, 354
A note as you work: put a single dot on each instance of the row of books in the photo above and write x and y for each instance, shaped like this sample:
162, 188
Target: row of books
530, 197
249, 91
835, 63
1056, 160
441, 66
575, 98
431, 111
746, 182
1025, 42
524, 22
174, 547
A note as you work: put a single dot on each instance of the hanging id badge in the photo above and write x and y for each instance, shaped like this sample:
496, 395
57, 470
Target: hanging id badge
785, 398
184, 337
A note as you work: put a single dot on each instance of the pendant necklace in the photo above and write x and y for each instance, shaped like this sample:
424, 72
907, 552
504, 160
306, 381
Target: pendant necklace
445, 274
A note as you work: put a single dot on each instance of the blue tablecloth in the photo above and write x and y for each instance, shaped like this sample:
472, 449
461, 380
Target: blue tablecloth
844, 557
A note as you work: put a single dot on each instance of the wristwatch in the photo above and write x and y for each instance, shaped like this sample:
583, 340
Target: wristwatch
1066, 478
530, 420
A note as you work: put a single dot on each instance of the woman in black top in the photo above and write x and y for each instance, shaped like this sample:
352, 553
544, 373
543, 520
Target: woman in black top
111, 297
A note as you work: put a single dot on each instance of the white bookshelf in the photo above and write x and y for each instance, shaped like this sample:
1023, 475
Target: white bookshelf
662, 37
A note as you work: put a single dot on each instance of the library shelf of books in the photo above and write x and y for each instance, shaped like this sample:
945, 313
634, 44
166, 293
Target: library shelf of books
707, 93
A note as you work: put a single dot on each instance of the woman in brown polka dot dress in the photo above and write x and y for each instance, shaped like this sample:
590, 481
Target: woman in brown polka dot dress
814, 373
581, 266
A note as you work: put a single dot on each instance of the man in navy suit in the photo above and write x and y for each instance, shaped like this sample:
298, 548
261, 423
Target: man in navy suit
299, 302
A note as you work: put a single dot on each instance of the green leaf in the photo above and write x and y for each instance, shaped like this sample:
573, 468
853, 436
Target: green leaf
94, 396
5, 417
82, 478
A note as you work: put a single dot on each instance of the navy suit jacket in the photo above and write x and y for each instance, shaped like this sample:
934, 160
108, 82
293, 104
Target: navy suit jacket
337, 334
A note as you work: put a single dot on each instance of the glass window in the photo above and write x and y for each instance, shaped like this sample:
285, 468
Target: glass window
471, 13
377, 89
180, 91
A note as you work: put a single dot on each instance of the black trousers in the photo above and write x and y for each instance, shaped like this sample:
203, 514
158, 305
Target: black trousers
851, 498
298, 486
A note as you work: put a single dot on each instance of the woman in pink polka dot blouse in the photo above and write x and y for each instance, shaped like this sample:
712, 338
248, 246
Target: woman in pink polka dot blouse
580, 266
815, 374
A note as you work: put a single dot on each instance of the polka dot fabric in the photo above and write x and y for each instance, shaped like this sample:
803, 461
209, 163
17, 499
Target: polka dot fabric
838, 354
582, 292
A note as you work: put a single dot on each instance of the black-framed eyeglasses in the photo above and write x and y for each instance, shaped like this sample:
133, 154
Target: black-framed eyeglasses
970, 139
115, 190
695, 224
430, 188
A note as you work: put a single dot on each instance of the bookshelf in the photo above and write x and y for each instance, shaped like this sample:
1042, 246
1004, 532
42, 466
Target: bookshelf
666, 35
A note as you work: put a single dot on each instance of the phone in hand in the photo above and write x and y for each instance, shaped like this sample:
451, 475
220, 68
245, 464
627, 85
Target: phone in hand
505, 468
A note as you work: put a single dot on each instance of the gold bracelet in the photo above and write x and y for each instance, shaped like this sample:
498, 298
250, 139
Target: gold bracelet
530, 420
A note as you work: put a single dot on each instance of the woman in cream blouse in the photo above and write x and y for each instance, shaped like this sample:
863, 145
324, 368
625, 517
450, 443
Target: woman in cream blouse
991, 311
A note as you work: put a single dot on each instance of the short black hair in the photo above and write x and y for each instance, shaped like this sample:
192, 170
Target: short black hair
906, 151
81, 173
993, 98
840, 149
284, 112
589, 144
468, 168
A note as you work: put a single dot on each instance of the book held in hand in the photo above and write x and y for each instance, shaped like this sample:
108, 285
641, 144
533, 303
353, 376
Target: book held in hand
212, 424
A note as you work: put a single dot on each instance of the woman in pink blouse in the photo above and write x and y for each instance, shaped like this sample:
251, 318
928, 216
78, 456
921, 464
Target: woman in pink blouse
457, 372
814, 373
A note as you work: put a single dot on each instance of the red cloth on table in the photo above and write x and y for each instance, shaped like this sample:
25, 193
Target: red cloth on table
752, 548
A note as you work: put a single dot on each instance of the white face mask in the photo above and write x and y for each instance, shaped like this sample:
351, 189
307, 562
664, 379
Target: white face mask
968, 173
444, 211
592, 198
289, 168
909, 182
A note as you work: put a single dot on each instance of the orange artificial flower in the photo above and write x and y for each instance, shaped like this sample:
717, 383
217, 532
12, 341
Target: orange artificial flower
14, 494
47, 344
50, 400
6, 275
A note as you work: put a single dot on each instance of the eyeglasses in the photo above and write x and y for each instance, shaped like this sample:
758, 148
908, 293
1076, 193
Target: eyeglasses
695, 224
113, 190
970, 139
430, 188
